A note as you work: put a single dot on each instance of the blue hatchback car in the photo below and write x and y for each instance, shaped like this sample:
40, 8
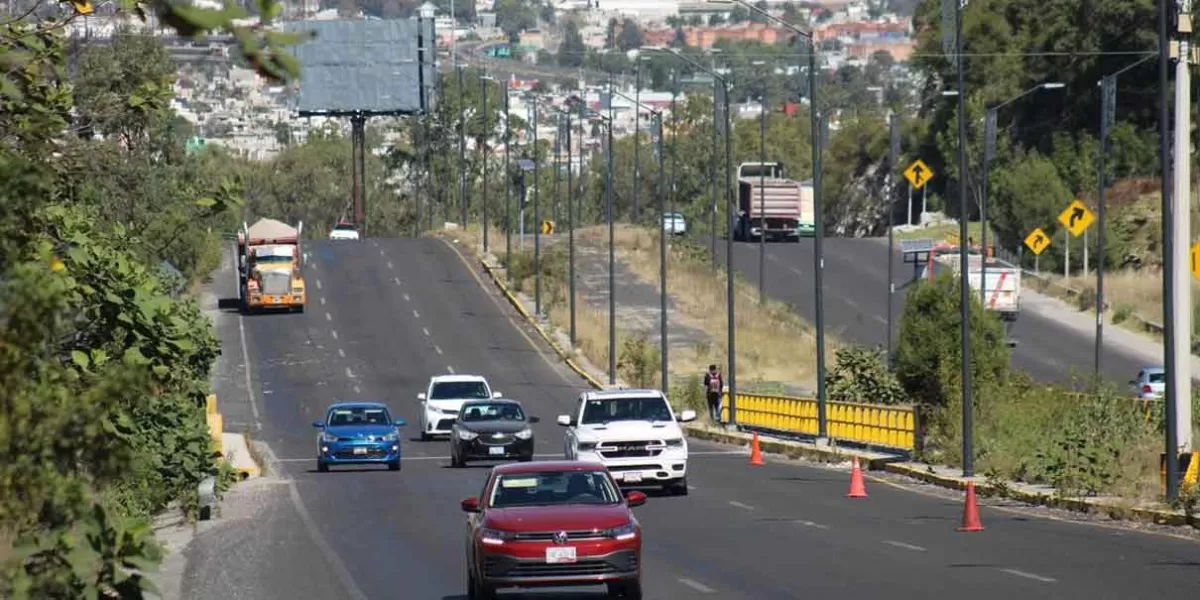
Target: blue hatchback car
358, 433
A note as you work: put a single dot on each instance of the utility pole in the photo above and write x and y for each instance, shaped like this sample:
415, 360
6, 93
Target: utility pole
968, 408
507, 189
570, 226
762, 202
662, 271
893, 156
989, 150
637, 158
612, 260
537, 216
486, 136
730, 290
462, 148
715, 160
1176, 238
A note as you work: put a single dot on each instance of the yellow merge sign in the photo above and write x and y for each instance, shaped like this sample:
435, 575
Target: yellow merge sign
1037, 240
547, 227
918, 174
1076, 218
1195, 256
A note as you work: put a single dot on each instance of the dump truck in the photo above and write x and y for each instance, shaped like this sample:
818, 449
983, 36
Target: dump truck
269, 267
770, 204
1001, 290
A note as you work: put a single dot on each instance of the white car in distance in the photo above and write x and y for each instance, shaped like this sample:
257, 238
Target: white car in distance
344, 231
674, 223
634, 433
443, 399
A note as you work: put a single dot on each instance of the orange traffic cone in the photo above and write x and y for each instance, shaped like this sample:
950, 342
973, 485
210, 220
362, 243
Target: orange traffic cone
756, 459
970, 520
857, 488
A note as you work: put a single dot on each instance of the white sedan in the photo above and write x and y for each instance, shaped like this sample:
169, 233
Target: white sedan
344, 231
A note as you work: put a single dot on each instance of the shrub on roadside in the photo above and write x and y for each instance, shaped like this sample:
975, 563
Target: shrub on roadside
639, 362
690, 395
861, 375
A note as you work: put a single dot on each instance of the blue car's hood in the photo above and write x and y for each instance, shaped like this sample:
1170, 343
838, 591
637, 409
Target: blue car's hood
363, 431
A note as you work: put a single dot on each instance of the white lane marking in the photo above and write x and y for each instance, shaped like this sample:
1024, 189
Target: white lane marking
334, 332
381, 252
811, 524
341, 353
425, 331
397, 280
406, 298
390, 265
450, 368
356, 390
318, 284
696, 585
740, 505
328, 317
249, 383
349, 373
691, 488
416, 314
438, 350
322, 300
1027, 575
903, 545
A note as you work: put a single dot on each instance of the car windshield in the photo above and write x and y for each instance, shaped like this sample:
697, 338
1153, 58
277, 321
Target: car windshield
343, 227
455, 390
1156, 377
358, 415
607, 410
492, 411
550, 488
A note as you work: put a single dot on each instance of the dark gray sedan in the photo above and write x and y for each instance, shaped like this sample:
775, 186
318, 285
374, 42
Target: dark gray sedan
495, 429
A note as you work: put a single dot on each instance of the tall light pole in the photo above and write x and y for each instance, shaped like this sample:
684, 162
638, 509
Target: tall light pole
570, 224
537, 215
462, 148
989, 150
730, 290
1164, 160
487, 136
762, 195
637, 158
507, 188
968, 409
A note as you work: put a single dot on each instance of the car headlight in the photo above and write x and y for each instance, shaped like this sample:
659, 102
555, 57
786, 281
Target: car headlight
493, 537
328, 437
391, 437
464, 434
525, 434
627, 531
675, 443
587, 446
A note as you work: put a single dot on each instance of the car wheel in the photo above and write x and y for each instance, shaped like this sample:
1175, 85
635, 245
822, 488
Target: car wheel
631, 590
424, 437
478, 590
394, 465
679, 488
322, 467
527, 458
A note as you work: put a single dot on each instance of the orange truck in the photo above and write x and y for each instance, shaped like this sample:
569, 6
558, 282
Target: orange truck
270, 273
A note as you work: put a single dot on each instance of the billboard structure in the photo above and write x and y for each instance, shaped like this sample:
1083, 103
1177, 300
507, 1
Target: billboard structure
359, 69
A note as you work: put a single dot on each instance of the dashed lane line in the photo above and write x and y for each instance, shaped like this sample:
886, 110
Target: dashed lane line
904, 545
349, 373
357, 390
438, 350
341, 353
390, 265
334, 333
328, 317
740, 505
810, 524
322, 300
397, 280
696, 585
450, 368
1027, 575
425, 330
416, 314
406, 298
318, 284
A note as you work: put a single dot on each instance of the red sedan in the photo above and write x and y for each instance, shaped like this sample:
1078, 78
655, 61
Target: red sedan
550, 524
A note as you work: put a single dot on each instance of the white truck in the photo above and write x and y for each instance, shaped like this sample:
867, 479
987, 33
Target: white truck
634, 433
1002, 288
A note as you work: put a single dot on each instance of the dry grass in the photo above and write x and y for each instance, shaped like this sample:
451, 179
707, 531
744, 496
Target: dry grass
1128, 293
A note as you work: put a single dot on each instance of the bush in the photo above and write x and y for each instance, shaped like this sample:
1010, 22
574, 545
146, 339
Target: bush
690, 395
639, 362
861, 375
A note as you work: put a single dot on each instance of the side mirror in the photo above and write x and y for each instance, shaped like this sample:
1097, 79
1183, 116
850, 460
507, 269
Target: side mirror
421, 396
564, 420
635, 498
686, 416
535, 420
401, 422
318, 425
497, 395
470, 505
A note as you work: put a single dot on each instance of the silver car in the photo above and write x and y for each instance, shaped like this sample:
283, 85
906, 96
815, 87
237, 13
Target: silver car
1151, 383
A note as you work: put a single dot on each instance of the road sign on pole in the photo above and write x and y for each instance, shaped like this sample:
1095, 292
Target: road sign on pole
1038, 241
547, 227
1076, 218
918, 174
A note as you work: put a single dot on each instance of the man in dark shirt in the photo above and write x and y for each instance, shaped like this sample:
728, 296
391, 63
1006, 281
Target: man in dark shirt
713, 385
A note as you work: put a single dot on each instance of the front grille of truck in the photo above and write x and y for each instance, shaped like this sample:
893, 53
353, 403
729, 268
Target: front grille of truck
276, 284
640, 449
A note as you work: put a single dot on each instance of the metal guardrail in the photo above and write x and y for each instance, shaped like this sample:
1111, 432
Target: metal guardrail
894, 427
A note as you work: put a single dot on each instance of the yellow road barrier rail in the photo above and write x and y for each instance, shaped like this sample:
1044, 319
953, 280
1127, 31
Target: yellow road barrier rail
870, 425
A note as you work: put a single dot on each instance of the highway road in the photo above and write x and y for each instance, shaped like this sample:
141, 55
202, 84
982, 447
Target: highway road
856, 305
384, 315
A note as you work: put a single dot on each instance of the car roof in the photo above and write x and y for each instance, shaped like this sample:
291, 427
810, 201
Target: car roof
356, 405
548, 466
624, 393
453, 378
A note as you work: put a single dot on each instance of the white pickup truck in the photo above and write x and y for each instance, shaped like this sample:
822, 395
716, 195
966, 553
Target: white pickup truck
634, 433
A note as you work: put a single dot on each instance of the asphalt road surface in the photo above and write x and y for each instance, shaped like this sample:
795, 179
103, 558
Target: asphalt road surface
856, 305
384, 315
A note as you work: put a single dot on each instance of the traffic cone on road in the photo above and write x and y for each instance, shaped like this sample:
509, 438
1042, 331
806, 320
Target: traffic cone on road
970, 520
858, 488
756, 459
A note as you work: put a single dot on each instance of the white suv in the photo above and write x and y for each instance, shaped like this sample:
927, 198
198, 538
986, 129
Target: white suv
634, 433
445, 396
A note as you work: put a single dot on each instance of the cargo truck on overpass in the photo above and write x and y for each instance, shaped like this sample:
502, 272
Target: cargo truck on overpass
770, 204
1002, 288
269, 267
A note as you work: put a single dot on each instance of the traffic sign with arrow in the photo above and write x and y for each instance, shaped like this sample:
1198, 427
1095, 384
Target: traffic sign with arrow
1076, 218
547, 227
1037, 240
918, 174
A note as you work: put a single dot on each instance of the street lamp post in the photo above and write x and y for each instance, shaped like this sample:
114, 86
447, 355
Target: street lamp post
608, 200
537, 217
507, 189
730, 290
462, 149
487, 135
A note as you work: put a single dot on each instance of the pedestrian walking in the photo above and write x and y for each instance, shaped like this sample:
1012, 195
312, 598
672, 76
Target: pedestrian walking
713, 386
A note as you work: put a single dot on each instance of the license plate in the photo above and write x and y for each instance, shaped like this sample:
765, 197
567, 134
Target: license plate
496, 450
632, 477
360, 450
560, 555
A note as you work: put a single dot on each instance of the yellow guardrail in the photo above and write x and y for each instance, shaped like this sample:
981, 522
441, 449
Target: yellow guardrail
884, 426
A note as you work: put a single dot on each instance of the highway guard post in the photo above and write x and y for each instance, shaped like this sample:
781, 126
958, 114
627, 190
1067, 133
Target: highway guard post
1189, 469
